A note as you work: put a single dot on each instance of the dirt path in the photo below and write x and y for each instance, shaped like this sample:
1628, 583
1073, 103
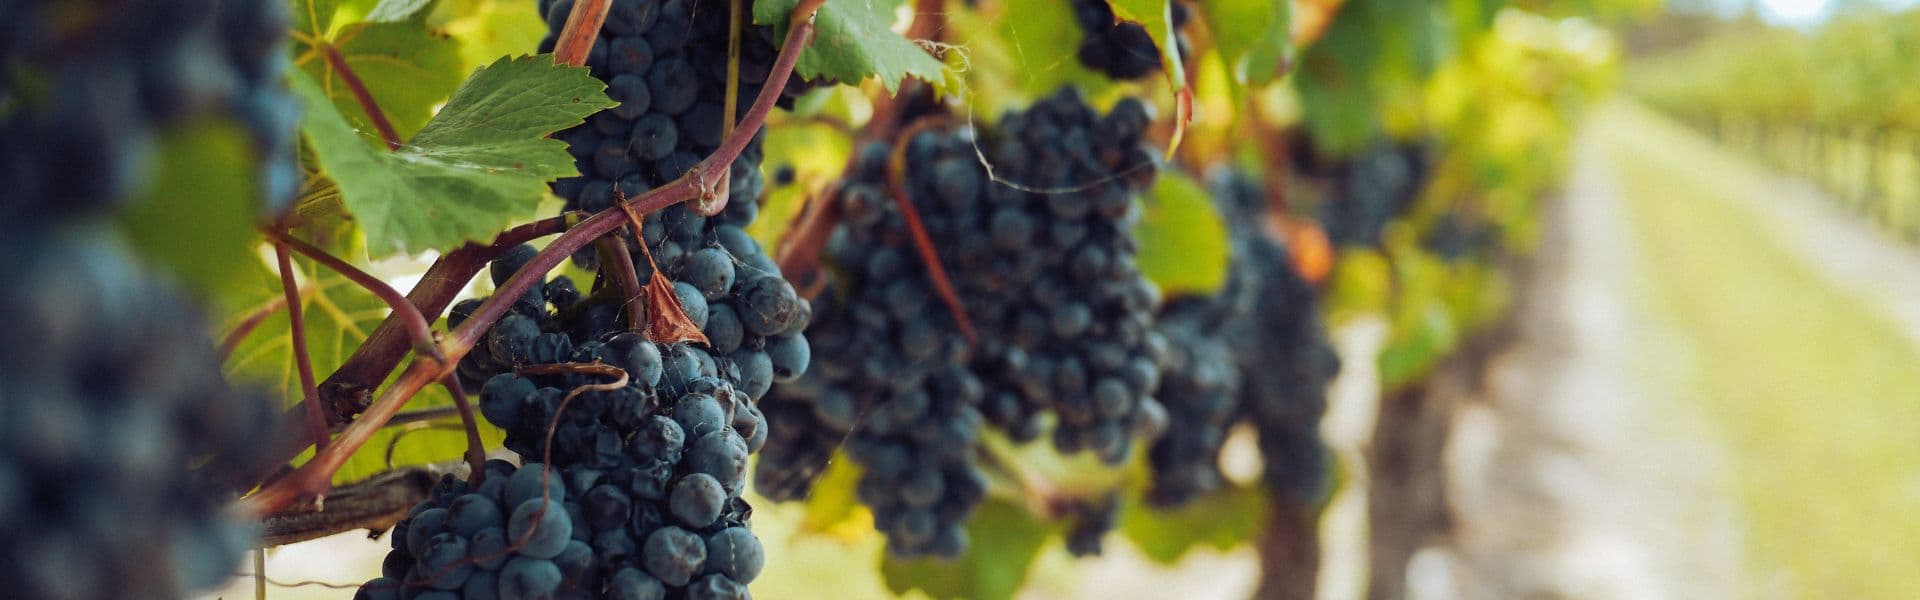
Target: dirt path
1580, 476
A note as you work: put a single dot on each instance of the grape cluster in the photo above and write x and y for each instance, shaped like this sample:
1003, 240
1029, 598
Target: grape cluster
112, 394
1043, 262
1201, 389
540, 531
90, 84
1378, 186
1043, 253
642, 481
1122, 49
665, 61
1284, 355
897, 392
121, 440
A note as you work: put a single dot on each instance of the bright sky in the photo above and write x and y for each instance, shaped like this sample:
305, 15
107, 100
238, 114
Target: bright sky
1794, 12
1798, 13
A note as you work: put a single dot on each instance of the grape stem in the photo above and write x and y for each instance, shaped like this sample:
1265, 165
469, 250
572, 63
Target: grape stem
361, 95
580, 32
631, 296
310, 480
316, 420
416, 325
476, 451
897, 186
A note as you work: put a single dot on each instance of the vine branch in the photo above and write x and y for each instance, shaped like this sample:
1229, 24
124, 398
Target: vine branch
346, 390
582, 29
316, 420
311, 478
415, 324
629, 280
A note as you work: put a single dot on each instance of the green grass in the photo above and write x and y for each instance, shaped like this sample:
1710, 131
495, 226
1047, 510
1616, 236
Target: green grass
1815, 392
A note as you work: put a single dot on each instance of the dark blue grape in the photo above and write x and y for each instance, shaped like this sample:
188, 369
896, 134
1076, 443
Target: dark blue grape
528, 578
381, 588
736, 553
631, 92
790, 356
639, 357
696, 500
722, 454
771, 305
710, 271
692, 302
481, 585
675, 87
699, 415
634, 584
502, 397
674, 555
756, 372
526, 484
723, 329
472, 513
544, 526
488, 548
654, 137
715, 587
443, 563
660, 438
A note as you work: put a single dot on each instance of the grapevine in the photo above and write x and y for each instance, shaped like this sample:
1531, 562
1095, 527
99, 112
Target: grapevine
975, 309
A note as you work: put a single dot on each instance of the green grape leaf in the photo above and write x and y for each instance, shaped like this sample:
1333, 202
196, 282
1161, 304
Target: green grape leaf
406, 68
338, 316
1005, 539
1184, 244
480, 164
392, 11
1157, 17
854, 40
1037, 53
197, 217
1222, 521
1253, 36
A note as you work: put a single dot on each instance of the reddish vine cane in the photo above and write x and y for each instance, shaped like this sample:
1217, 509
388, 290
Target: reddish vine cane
311, 479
